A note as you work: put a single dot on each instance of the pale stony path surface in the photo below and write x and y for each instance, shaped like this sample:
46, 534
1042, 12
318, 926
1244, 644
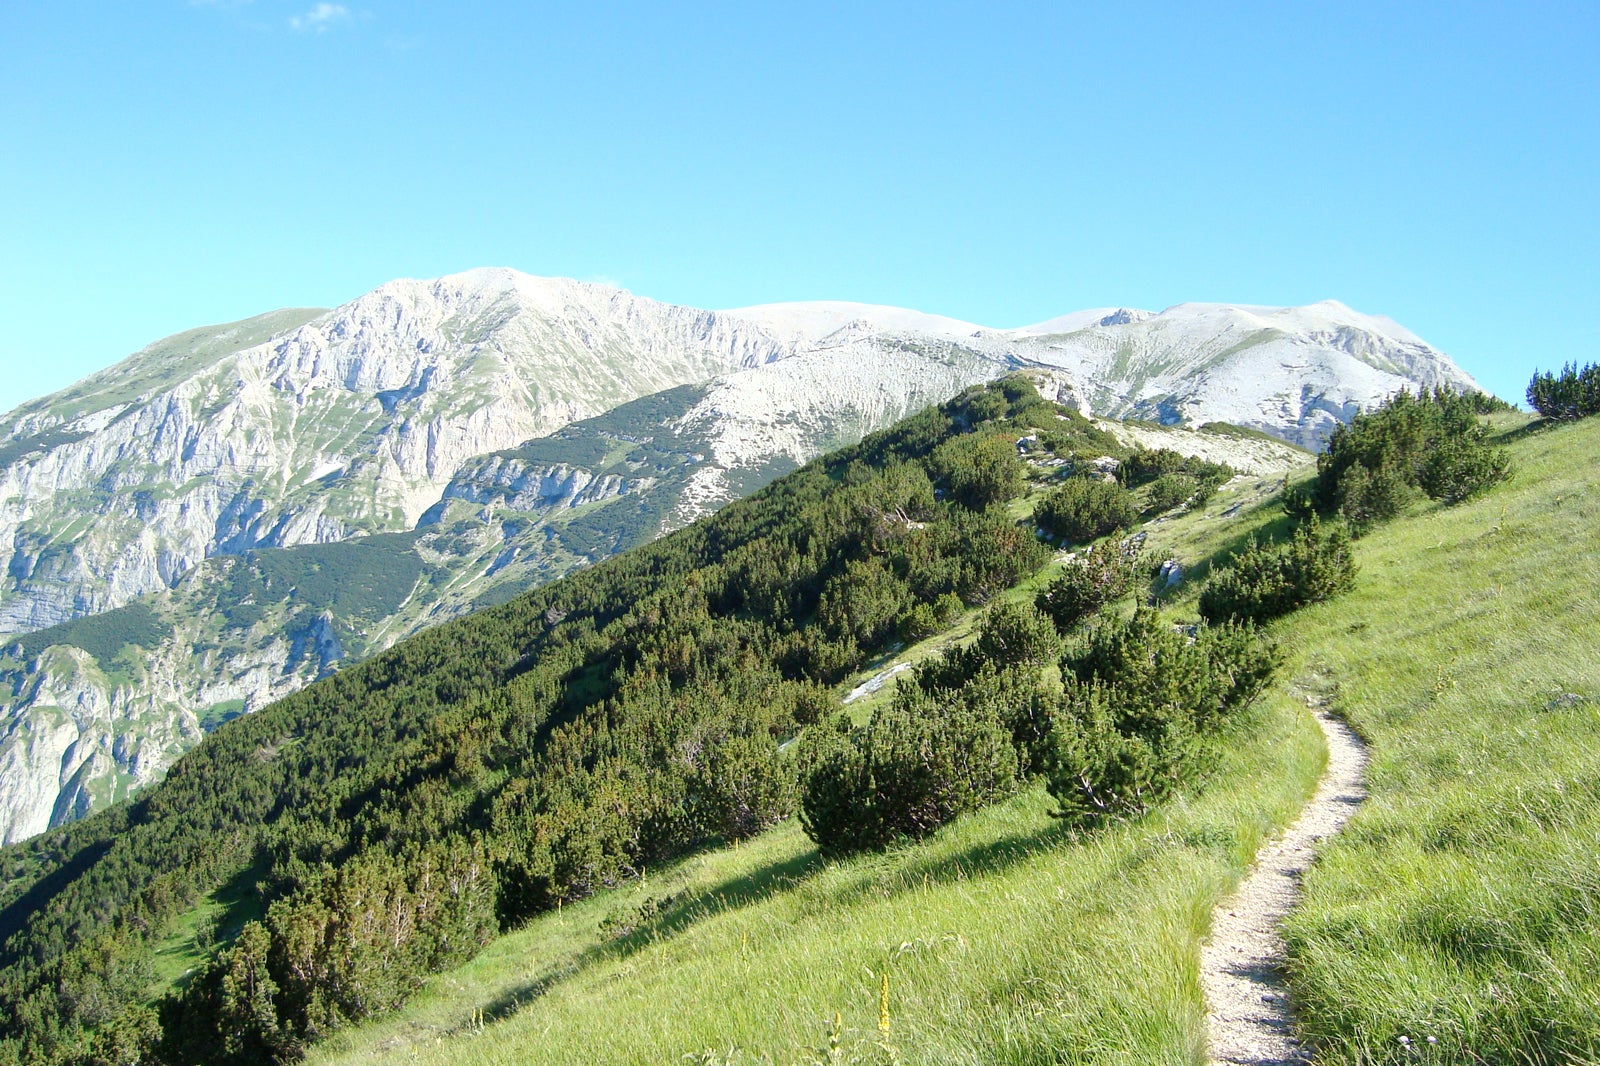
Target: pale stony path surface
1249, 1019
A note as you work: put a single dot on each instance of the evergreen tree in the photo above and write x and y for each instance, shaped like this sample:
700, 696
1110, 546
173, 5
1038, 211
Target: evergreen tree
1262, 584
1097, 576
1567, 396
1083, 509
1430, 442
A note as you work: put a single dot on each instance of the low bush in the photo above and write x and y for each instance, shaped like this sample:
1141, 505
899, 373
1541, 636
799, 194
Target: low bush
1011, 634
1429, 442
1151, 464
1140, 697
1264, 583
1458, 469
964, 730
1169, 491
980, 469
1567, 396
1095, 577
1084, 509
927, 757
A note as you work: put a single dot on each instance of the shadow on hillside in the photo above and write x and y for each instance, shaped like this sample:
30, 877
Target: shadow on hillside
987, 859
662, 919
679, 914
15, 914
659, 920
1523, 432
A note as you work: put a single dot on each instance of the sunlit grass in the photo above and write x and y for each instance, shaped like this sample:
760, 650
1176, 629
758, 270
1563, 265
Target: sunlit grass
1458, 918
1005, 938
1462, 904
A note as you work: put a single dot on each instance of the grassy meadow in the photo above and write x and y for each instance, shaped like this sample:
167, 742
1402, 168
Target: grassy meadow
1457, 919
1003, 939
1462, 904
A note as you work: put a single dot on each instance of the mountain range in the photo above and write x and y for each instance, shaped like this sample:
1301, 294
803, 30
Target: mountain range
230, 513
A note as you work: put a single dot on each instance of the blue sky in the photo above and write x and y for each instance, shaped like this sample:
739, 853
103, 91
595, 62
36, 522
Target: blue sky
166, 164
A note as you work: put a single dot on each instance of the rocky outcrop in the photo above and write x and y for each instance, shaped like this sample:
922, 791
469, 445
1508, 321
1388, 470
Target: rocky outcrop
521, 485
231, 640
1293, 372
351, 423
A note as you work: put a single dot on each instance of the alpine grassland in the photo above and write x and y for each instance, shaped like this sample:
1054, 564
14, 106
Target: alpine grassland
1008, 936
1457, 919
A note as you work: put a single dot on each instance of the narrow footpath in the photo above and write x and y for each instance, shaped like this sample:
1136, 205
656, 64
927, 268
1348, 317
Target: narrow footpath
1249, 1020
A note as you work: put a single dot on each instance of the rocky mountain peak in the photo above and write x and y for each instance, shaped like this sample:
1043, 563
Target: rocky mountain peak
332, 433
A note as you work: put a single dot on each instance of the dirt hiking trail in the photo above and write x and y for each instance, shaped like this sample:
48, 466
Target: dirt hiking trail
1249, 1021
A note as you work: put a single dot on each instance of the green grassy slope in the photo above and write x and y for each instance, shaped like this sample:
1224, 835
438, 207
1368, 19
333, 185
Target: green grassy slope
521, 729
1463, 903
1003, 942
1006, 939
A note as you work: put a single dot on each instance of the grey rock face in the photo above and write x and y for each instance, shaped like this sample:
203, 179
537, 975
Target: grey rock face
350, 423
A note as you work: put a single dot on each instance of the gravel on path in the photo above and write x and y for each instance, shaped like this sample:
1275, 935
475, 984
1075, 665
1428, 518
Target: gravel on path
1249, 1019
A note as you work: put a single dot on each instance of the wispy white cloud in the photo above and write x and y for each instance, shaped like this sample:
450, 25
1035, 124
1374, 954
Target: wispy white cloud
320, 18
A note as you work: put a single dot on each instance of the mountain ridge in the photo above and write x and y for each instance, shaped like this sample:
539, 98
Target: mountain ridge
408, 413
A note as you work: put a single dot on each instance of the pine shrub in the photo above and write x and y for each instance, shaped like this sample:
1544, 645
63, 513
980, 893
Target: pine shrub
1430, 442
1151, 464
1101, 770
965, 729
1095, 577
1170, 490
1457, 470
980, 469
1264, 583
1084, 509
1567, 396
922, 760
1139, 699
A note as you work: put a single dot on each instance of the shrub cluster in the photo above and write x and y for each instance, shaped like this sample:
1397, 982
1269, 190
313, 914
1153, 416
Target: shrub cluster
966, 730
1170, 490
1151, 464
349, 946
398, 812
1567, 396
1264, 583
1173, 478
1429, 442
1069, 434
1093, 578
1085, 508
1128, 724
1139, 699
979, 470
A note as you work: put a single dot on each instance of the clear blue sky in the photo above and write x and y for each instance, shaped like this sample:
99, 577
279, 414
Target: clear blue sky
166, 164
